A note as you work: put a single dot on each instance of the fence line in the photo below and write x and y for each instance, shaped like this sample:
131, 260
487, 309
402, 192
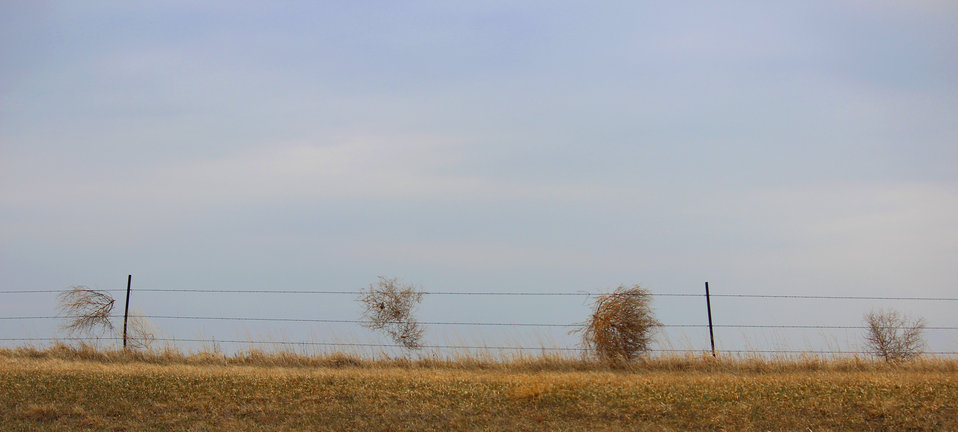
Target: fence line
508, 293
461, 323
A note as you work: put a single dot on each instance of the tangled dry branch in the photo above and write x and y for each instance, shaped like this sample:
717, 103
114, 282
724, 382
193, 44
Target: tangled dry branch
389, 306
141, 333
86, 310
621, 326
893, 336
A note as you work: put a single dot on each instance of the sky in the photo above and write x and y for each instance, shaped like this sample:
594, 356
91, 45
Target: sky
784, 148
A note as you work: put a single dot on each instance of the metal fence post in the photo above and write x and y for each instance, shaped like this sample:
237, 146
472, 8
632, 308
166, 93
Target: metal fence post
126, 310
708, 305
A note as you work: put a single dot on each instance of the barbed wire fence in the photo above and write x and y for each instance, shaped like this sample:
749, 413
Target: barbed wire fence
305, 343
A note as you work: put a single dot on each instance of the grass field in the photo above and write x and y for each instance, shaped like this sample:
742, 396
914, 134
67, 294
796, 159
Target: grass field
64, 388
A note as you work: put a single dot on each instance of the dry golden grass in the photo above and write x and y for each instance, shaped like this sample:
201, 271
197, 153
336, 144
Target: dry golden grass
64, 388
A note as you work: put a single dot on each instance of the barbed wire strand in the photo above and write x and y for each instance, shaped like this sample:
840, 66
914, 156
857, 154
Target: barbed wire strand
462, 323
508, 293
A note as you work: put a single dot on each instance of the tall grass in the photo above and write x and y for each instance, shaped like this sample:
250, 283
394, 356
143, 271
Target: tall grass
699, 362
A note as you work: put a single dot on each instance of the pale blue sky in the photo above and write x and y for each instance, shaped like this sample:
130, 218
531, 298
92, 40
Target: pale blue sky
793, 148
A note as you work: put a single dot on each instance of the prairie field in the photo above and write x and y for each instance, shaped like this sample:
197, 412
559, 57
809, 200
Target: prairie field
64, 388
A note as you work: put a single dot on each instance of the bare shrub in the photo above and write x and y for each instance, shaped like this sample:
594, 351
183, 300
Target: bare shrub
85, 310
893, 336
141, 333
389, 306
621, 326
